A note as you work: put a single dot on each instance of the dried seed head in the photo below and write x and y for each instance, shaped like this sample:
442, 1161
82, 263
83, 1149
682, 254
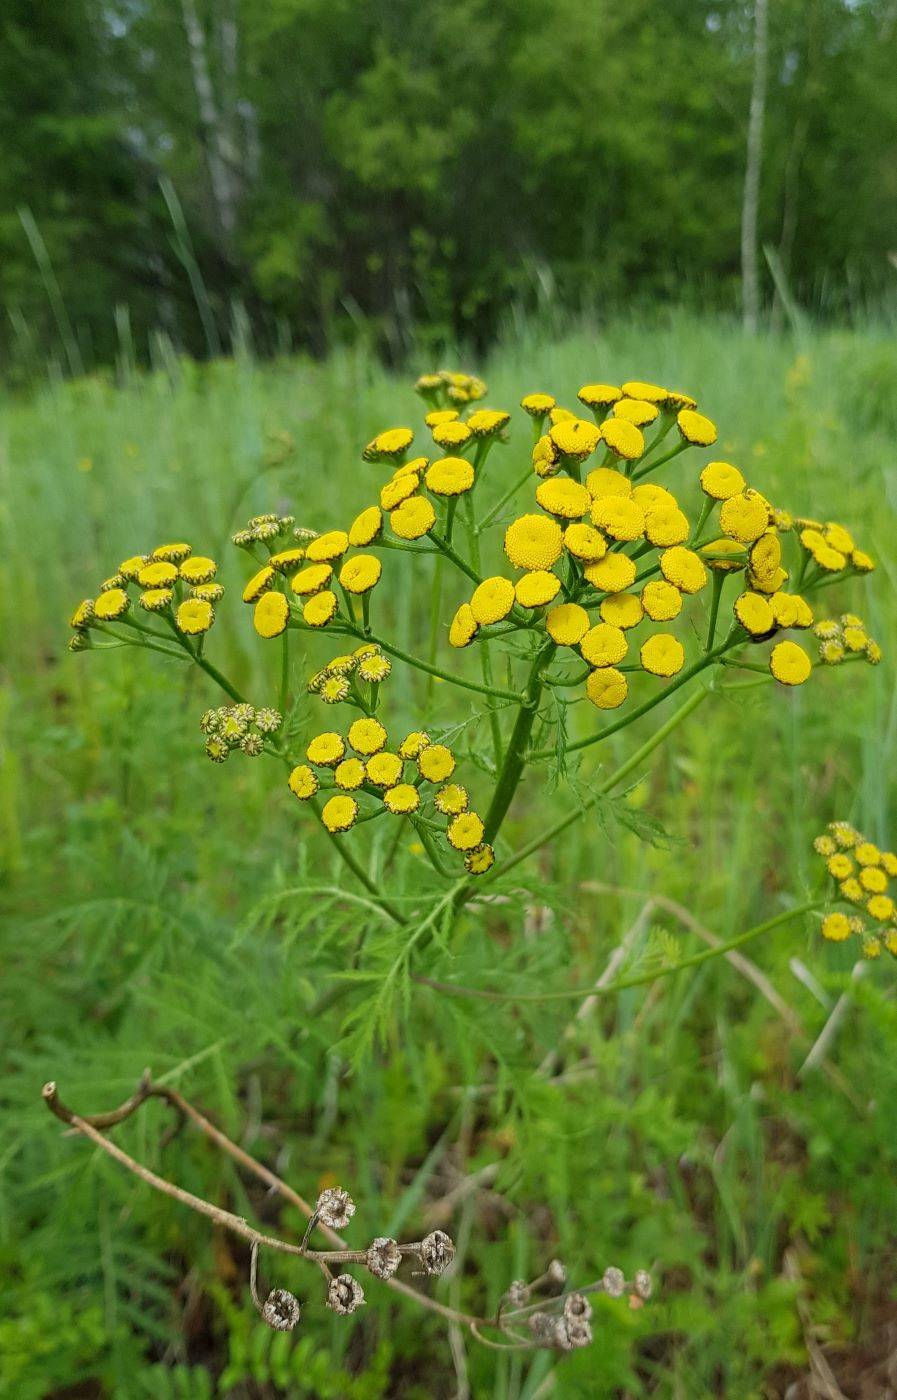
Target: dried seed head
643, 1285
577, 1308
281, 1310
544, 1328
557, 1272
576, 1330
335, 1208
518, 1293
436, 1252
344, 1294
383, 1257
614, 1282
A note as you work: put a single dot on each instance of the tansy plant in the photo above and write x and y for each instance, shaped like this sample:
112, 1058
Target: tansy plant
623, 580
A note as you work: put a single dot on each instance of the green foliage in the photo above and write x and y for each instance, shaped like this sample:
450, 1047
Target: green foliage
160, 910
347, 169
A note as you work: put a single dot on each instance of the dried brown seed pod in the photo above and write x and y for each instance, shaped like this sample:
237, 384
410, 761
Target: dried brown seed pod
281, 1310
518, 1293
577, 1331
614, 1282
557, 1272
544, 1328
383, 1257
577, 1308
335, 1208
436, 1252
643, 1284
344, 1294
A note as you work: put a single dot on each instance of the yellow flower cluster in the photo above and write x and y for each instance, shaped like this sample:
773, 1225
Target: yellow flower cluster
862, 875
337, 681
605, 540
240, 727
171, 581
264, 529
843, 638
361, 766
450, 387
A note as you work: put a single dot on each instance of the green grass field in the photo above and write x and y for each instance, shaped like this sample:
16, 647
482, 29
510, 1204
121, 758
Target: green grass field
161, 911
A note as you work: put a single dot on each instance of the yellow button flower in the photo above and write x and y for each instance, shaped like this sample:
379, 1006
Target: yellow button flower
367, 736
545, 456
389, 445
156, 599
451, 799
881, 907
158, 574
441, 415
463, 627
612, 574
209, 592
873, 879
307, 581
637, 411
319, 609
173, 553
533, 542
836, 926
331, 545
567, 624
840, 866
682, 567
838, 537
198, 569
606, 481
83, 614
398, 490
537, 588
624, 439
414, 743
562, 496
384, 769
464, 832
720, 480
664, 528
789, 663
765, 555
575, 437
366, 527
349, 775
651, 393
585, 542
482, 858
696, 430
607, 688
744, 517
622, 610
599, 395
661, 601
111, 604
413, 518
340, 813
130, 568
755, 614
303, 782
603, 645
449, 476
447, 435
662, 655
484, 422
402, 799
193, 616
784, 609
492, 600
537, 405
361, 573
286, 559
326, 749
619, 517
436, 763
258, 584
374, 669
650, 496
862, 562
271, 614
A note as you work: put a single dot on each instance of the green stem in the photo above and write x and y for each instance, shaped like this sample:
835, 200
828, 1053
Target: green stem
432, 852
640, 979
361, 874
422, 665
515, 757
129, 642
648, 467
453, 555
622, 772
284, 671
485, 656
435, 617
500, 505
718, 581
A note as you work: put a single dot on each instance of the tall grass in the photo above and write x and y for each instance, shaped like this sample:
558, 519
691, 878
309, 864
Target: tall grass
157, 911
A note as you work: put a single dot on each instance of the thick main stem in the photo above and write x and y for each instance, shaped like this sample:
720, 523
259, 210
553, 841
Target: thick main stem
515, 757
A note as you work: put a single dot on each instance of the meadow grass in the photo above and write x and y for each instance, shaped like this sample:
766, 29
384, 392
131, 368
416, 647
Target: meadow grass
161, 911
